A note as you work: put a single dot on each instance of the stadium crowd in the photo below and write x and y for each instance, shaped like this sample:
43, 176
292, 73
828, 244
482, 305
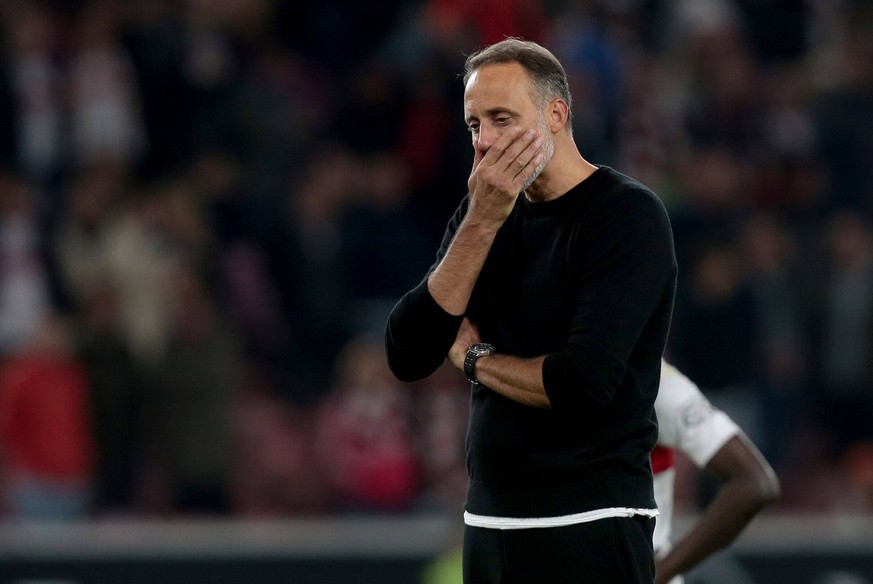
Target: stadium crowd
208, 207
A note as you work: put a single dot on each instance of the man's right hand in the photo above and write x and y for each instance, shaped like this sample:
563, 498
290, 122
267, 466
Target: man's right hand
499, 173
495, 182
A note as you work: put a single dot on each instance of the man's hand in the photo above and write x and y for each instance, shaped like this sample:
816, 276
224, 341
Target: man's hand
467, 335
520, 380
499, 173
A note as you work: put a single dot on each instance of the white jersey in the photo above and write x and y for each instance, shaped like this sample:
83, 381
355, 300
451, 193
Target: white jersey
689, 423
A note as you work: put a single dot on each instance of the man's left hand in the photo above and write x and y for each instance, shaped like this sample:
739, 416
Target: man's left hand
467, 335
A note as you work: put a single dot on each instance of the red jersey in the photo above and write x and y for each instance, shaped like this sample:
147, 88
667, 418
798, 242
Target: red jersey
45, 422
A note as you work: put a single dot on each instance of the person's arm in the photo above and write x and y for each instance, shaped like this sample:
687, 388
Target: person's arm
494, 185
748, 484
422, 326
625, 278
518, 379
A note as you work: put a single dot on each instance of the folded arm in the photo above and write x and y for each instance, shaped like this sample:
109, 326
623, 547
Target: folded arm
422, 326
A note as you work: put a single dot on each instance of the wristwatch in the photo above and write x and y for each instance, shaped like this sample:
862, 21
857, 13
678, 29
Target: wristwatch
475, 351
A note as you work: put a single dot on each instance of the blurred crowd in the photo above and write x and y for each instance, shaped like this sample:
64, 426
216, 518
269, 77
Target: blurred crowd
208, 207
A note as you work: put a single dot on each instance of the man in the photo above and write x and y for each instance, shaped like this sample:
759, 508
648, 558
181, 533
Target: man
689, 423
553, 291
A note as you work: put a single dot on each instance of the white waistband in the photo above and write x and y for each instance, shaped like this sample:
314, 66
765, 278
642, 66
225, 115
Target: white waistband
562, 520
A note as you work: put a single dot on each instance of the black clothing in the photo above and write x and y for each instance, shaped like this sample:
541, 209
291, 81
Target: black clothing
562, 555
587, 279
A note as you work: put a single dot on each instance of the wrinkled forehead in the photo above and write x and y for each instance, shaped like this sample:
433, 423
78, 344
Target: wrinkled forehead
490, 86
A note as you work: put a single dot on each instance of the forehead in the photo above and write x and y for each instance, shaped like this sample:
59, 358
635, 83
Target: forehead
495, 86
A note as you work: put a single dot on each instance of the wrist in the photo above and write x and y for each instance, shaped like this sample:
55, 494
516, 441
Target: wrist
480, 224
475, 352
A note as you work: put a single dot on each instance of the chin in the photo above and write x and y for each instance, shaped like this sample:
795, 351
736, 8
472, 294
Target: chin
533, 178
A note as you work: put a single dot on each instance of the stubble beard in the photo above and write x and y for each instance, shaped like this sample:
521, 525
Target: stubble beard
547, 151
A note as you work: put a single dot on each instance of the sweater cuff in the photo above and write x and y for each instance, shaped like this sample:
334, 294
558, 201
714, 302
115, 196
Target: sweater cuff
419, 334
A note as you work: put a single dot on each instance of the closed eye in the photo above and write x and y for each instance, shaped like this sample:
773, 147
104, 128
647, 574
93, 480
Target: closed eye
500, 119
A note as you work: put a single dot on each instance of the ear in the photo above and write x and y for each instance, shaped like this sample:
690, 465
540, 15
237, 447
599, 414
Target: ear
557, 115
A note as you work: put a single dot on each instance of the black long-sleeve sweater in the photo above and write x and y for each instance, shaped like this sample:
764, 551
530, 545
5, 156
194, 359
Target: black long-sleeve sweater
588, 280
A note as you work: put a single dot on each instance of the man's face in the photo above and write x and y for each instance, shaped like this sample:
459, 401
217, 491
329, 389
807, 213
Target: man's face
498, 98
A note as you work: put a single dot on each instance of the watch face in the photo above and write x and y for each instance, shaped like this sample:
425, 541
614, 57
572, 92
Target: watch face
481, 349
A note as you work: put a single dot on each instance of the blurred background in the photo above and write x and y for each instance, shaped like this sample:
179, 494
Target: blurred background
208, 207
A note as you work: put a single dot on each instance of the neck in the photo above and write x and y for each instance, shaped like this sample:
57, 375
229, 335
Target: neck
564, 171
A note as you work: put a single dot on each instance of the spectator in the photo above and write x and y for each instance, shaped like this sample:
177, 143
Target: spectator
116, 398
306, 258
844, 331
380, 268
32, 137
105, 237
844, 116
104, 100
712, 203
24, 284
714, 334
441, 406
45, 428
191, 413
279, 471
770, 252
364, 438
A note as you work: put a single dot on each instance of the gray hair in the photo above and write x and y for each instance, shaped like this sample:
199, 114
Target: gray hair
548, 78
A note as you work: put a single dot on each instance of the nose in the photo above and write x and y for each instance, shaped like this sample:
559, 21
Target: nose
487, 136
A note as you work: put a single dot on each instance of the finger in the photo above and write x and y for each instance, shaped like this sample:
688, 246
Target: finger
514, 157
526, 156
477, 156
528, 169
495, 153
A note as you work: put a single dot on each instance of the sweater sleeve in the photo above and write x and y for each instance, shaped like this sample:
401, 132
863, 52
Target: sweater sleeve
626, 283
419, 333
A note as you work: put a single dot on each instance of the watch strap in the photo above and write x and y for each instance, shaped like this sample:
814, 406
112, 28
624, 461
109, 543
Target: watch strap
474, 352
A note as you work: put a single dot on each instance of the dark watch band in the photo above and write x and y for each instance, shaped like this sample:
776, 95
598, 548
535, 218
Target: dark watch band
475, 351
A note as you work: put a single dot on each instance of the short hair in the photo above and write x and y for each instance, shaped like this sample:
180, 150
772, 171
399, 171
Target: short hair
549, 79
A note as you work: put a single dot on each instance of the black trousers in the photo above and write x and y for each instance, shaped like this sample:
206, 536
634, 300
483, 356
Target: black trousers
616, 550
